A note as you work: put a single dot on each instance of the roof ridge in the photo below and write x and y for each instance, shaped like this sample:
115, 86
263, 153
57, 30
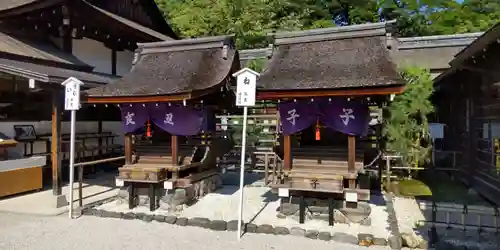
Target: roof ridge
333, 33
187, 44
455, 40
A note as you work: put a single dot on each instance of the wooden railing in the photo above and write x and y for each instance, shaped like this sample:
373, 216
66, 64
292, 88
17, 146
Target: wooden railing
461, 216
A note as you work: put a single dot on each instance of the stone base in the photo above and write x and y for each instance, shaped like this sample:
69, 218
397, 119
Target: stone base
61, 201
318, 210
173, 200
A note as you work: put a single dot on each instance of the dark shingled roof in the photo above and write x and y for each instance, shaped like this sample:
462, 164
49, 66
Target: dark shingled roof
175, 67
432, 52
128, 23
340, 57
48, 74
10, 4
42, 50
487, 38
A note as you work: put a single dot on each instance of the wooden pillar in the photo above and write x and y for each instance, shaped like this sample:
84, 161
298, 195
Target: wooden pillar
473, 134
113, 61
351, 158
56, 144
287, 154
67, 38
99, 131
175, 150
128, 149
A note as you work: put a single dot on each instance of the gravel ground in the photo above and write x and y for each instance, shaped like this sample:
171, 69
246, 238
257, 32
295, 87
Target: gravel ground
260, 207
53, 233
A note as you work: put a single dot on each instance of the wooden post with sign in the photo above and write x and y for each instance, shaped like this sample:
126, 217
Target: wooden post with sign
246, 84
72, 103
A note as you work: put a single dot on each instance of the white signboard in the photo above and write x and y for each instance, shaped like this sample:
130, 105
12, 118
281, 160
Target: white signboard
246, 84
72, 93
351, 196
283, 192
168, 185
119, 183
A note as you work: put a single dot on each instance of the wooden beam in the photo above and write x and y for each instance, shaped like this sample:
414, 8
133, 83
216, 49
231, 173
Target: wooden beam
136, 99
351, 158
56, 144
153, 98
287, 154
490, 72
277, 94
128, 149
175, 150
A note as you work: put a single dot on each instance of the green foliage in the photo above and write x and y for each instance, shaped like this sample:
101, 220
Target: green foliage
252, 20
253, 133
438, 17
406, 128
412, 188
257, 64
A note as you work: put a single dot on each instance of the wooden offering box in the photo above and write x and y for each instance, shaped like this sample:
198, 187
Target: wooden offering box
21, 175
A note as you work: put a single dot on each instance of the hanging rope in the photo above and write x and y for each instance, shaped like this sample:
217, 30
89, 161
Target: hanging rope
372, 162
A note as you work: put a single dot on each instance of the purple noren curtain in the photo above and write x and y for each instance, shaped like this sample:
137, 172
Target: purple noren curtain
349, 117
133, 117
297, 116
177, 120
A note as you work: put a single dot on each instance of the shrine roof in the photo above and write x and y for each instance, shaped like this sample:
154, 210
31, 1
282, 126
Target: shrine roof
51, 74
175, 67
432, 52
42, 50
488, 43
155, 26
11, 4
341, 57
480, 45
128, 23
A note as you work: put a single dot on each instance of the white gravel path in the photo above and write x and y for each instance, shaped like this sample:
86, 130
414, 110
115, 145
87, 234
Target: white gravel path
54, 233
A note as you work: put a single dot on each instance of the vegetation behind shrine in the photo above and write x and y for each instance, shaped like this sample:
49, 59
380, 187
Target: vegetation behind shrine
251, 20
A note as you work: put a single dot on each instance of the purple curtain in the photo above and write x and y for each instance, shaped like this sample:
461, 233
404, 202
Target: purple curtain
133, 117
297, 116
349, 117
177, 120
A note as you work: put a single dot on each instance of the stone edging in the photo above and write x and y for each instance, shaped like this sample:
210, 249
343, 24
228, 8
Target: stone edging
221, 225
395, 241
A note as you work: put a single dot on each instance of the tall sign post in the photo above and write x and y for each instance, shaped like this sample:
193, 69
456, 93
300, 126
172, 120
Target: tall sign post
246, 84
72, 103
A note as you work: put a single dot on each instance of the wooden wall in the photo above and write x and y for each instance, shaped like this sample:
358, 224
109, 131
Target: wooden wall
468, 102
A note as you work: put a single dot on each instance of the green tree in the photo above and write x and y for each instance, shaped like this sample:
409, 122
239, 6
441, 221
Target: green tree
405, 126
468, 16
249, 20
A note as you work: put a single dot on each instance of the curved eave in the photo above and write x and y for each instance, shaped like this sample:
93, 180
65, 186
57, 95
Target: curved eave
27, 7
186, 96
278, 94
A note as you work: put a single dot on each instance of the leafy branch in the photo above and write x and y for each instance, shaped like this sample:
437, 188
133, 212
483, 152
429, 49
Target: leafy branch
406, 126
